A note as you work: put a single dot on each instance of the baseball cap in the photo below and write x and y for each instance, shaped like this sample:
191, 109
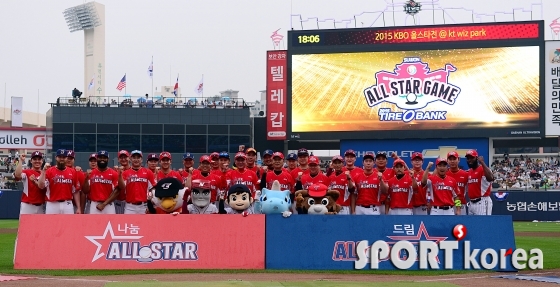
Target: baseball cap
70, 153
251, 150
200, 184
452, 153
317, 190
398, 161
152, 156
337, 157
268, 152
188, 155
302, 151
103, 153
164, 155
61, 152
240, 155
214, 155
238, 188
417, 154
369, 154
124, 152
37, 154
440, 160
313, 160
350, 152
472, 153
205, 158
381, 153
168, 187
278, 154
223, 155
136, 152
292, 156
93, 155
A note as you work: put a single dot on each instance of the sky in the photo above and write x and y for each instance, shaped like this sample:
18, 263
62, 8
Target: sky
224, 40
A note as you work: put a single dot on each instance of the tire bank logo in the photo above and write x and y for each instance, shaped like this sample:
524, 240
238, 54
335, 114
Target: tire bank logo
411, 87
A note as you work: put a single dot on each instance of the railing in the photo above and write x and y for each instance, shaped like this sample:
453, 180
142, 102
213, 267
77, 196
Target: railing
154, 102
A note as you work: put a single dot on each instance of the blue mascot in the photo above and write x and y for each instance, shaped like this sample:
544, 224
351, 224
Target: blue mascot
273, 201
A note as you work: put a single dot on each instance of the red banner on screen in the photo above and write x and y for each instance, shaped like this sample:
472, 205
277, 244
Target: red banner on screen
140, 242
276, 85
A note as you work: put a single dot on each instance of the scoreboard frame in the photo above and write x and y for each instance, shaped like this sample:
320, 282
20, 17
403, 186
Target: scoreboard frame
377, 39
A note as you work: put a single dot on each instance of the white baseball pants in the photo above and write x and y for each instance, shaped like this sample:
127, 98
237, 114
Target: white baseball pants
420, 210
345, 210
438, 211
64, 207
400, 211
27, 208
109, 208
482, 207
360, 210
135, 209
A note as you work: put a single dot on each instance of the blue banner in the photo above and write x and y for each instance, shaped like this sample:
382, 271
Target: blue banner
329, 242
430, 148
527, 205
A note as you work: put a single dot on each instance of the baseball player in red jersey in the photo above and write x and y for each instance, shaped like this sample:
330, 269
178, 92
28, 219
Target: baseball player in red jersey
400, 189
188, 163
32, 198
441, 189
139, 181
92, 161
315, 175
279, 173
252, 160
350, 160
215, 162
303, 159
102, 185
342, 182
369, 186
124, 161
152, 163
388, 173
204, 175
267, 159
242, 175
461, 176
70, 160
62, 186
292, 162
479, 185
419, 202
166, 171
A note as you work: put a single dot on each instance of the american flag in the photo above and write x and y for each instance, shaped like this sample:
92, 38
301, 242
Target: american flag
122, 83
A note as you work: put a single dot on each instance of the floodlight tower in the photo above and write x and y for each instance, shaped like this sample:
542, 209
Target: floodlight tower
90, 17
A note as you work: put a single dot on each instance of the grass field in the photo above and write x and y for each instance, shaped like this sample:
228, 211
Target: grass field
277, 284
549, 246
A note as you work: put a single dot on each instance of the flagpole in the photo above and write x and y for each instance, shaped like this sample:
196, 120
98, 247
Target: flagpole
202, 86
5, 96
38, 105
125, 79
152, 76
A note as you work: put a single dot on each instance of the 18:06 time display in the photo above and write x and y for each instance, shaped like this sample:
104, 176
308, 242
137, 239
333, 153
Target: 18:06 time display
305, 39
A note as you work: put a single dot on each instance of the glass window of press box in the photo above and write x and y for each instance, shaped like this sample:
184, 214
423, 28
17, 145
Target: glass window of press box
150, 138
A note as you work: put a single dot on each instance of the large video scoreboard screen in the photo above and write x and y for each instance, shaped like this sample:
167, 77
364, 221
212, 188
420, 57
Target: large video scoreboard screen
409, 82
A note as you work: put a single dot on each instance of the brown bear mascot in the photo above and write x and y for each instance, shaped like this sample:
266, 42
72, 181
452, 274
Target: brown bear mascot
317, 199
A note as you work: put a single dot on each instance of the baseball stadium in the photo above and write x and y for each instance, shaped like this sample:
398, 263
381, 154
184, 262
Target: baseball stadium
376, 130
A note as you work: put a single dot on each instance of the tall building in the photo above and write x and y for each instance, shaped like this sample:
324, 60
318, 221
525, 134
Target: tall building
260, 106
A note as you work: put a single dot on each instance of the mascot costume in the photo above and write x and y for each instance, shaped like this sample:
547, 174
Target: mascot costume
200, 197
273, 201
168, 196
239, 199
318, 199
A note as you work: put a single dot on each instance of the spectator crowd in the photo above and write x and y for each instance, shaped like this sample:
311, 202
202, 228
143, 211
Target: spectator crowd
524, 172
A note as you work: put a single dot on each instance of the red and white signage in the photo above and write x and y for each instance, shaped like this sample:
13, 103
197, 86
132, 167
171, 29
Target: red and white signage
276, 91
185, 241
25, 138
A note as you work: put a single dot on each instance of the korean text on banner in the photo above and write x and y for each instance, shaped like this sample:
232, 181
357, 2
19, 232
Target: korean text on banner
140, 242
17, 112
276, 86
552, 88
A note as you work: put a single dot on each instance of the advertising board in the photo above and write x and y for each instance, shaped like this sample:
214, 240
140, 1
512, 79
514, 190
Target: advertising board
24, 138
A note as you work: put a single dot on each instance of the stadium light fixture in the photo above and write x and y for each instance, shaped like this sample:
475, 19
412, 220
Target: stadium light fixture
82, 17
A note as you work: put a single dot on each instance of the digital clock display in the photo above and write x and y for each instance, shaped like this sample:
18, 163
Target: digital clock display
308, 39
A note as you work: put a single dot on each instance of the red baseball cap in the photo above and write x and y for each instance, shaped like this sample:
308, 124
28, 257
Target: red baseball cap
317, 190
278, 154
453, 153
337, 157
164, 155
240, 155
472, 153
440, 160
369, 154
152, 156
200, 184
70, 153
124, 152
350, 152
313, 160
93, 155
37, 154
397, 161
417, 154
214, 155
205, 158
